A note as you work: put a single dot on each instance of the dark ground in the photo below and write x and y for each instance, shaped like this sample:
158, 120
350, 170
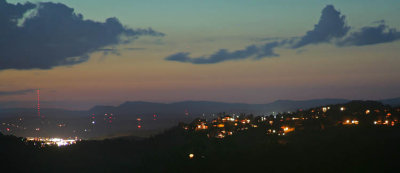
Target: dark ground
335, 149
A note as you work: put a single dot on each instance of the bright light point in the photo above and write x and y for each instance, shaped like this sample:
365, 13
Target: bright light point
191, 156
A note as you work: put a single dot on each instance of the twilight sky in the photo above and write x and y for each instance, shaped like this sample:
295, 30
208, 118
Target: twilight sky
83, 53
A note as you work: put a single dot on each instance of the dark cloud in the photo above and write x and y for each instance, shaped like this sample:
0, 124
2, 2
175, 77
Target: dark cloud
46, 35
18, 92
331, 25
251, 51
371, 35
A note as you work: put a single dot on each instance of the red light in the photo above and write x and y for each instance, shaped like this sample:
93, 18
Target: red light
139, 126
38, 102
8, 129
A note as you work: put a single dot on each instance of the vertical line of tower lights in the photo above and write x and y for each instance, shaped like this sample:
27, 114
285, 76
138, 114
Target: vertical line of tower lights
38, 103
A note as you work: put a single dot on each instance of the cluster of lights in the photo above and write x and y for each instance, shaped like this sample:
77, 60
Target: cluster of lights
386, 122
325, 109
349, 122
53, 141
201, 126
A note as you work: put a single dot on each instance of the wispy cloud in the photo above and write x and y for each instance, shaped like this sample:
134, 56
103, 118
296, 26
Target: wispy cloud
221, 55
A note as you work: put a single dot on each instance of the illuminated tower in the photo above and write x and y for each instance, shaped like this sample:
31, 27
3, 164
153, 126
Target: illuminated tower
38, 102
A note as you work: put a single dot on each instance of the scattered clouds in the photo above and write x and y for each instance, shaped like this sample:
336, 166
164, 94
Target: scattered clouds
331, 28
331, 25
371, 35
46, 35
18, 92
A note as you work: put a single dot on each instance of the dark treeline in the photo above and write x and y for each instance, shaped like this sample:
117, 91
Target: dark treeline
333, 148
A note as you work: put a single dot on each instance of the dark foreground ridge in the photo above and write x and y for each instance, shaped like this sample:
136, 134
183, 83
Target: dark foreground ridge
353, 137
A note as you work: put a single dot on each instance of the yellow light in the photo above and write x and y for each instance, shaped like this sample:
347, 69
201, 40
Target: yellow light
191, 156
287, 129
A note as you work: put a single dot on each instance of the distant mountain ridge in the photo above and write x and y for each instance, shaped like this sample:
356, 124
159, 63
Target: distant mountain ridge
392, 101
207, 107
200, 107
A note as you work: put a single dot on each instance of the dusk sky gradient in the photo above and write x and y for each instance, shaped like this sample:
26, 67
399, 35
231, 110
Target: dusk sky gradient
341, 67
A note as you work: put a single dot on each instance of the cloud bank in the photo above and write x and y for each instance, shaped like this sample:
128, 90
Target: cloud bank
331, 28
47, 35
